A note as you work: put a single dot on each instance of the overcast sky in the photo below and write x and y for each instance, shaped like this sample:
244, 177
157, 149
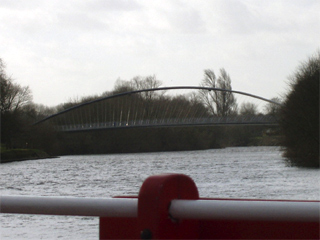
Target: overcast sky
63, 49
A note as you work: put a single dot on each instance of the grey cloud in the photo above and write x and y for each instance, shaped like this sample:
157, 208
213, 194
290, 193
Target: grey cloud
113, 5
237, 18
81, 21
245, 17
21, 4
182, 17
187, 21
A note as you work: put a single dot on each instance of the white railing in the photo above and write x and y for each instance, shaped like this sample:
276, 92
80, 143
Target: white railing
255, 210
300, 211
99, 207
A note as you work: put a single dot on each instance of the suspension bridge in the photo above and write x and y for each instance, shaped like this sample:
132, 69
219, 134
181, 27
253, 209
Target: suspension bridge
163, 107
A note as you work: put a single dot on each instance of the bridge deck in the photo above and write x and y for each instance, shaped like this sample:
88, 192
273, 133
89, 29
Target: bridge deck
231, 120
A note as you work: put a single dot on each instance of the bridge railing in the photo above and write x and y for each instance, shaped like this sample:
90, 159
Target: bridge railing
168, 207
215, 120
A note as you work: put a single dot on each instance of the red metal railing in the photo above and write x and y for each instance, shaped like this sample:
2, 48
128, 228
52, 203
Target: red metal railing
168, 207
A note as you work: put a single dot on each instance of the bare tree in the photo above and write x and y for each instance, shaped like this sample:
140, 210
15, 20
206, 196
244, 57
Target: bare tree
209, 98
148, 82
13, 96
248, 109
219, 102
226, 103
16, 110
2, 67
272, 108
122, 86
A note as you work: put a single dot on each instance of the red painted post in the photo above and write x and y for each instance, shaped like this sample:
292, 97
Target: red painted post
155, 196
153, 219
118, 227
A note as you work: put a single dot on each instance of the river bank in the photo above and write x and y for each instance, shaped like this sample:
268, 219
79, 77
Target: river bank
14, 155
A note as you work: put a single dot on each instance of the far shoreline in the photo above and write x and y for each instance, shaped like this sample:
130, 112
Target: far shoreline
25, 159
18, 155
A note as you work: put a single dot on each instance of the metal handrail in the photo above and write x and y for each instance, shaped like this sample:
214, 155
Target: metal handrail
98, 207
256, 210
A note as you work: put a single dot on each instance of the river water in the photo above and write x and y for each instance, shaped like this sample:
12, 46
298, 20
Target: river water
242, 172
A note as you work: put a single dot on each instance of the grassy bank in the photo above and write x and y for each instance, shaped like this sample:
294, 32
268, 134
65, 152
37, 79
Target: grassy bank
11, 155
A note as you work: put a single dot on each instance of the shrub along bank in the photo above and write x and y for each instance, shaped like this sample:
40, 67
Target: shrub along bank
300, 116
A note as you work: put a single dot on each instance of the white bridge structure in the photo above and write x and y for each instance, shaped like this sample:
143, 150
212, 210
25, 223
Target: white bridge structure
160, 107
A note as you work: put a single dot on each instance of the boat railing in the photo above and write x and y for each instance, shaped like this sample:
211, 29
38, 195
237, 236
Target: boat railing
168, 207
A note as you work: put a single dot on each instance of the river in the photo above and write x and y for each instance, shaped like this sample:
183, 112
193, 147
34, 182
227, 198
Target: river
242, 172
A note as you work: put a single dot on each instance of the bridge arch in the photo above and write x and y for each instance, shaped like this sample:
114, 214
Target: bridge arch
78, 125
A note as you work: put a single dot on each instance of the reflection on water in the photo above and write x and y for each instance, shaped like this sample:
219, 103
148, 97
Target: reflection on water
248, 172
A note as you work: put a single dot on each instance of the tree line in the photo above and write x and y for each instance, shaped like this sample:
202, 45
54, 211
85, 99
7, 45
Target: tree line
157, 104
